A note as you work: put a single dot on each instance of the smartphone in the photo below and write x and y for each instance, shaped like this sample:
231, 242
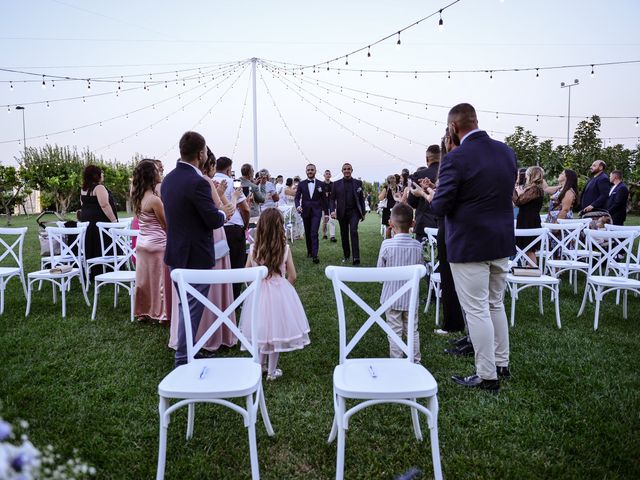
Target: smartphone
237, 184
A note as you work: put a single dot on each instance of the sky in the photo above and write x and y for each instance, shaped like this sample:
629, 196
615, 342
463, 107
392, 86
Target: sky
191, 62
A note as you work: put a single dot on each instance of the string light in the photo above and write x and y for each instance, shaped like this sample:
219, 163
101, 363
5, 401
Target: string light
84, 100
398, 43
440, 22
636, 121
449, 75
44, 85
11, 86
537, 73
48, 104
53, 84
490, 74
369, 51
89, 84
346, 62
592, 72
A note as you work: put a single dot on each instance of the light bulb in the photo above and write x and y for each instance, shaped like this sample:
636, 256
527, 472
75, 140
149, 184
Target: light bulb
636, 121
11, 86
440, 22
398, 43
44, 85
537, 73
369, 51
346, 61
88, 84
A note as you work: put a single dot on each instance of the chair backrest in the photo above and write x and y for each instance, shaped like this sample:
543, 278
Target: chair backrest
107, 245
122, 240
410, 275
586, 221
250, 297
69, 241
635, 256
563, 239
539, 243
11, 243
610, 250
126, 220
432, 247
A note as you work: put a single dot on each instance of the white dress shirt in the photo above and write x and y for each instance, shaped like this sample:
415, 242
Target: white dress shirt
236, 218
312, 187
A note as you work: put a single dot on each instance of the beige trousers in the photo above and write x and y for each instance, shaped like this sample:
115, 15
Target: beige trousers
398, 320
480, 287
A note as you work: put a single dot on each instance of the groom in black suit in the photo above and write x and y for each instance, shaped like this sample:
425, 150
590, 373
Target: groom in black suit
347, 199
191, 218
310, 203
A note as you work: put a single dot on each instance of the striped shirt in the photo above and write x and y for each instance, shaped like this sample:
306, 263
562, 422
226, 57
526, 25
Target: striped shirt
399, 251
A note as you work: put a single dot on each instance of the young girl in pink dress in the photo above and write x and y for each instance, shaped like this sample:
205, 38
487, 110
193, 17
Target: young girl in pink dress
283, 325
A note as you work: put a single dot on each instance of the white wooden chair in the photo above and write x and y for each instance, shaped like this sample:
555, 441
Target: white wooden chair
45, 261
517, 283
216, 380
562, 255
435, 280
70, 256
374, 381
289, 220
123, 274
634, 261
11, 246
108, 249
609, 272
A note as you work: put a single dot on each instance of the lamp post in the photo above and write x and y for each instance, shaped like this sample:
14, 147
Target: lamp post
24, 131
569, 85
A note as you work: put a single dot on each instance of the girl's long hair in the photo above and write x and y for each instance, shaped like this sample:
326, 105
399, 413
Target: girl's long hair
534, 177
570, 183
270, 242
145, 177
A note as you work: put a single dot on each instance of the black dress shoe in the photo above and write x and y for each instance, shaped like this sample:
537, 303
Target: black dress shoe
464, 351
474, 381
459, 342
316, 260
324, 237
503, 372
356, 261
333, 239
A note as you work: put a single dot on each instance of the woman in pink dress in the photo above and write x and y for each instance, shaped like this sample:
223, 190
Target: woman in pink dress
220, 295
152, 275
283, 325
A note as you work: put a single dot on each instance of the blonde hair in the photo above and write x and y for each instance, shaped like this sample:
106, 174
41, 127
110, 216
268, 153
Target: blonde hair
534, 177
271, 242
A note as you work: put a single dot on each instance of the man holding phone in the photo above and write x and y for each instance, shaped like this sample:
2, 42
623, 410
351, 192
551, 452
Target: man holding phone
424, 216
235, 227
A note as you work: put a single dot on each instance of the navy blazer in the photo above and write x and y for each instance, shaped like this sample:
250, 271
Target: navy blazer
474, 196
596, 192
191, 218
311, 205
338, 200
617, 204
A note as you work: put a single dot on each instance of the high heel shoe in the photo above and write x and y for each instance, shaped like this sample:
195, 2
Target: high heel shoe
277, 373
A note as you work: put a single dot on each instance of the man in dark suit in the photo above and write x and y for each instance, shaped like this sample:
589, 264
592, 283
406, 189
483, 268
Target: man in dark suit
596, 192
191, 218
424, 216
474, 195
310, 202
618, 198
347, 200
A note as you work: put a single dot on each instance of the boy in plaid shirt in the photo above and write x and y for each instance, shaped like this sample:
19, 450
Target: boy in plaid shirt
401, 250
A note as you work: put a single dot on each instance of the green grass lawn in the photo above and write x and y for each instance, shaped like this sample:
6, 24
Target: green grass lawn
571, 409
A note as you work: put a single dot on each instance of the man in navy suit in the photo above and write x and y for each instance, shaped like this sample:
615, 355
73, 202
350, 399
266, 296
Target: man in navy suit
191, 218
618, 198
347, 205
596, 192
310, 202
474, 195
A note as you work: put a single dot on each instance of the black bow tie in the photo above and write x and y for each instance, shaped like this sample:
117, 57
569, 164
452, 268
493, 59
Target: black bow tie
311, 181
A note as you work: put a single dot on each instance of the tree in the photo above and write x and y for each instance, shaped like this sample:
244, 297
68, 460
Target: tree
587, 145
55, 171
525, 144
12, 190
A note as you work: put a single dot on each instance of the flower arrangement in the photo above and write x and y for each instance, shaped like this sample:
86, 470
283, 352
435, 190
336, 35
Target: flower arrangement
21, 460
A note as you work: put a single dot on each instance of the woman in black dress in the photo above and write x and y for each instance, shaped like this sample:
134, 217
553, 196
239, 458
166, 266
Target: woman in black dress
97, 205
529, 198
389, 191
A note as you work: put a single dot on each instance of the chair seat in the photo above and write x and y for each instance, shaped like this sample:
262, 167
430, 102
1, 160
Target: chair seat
585, 253
567, 264
395, 378
46, 273
118, 276
5, 271
541, 280
225, 378
105, 259
604, 281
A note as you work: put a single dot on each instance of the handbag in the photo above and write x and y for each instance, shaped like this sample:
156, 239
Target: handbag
221, 248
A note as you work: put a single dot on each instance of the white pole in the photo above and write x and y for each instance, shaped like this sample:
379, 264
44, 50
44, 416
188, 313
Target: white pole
255, 116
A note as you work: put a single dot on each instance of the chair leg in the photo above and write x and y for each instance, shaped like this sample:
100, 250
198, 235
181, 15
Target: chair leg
1, 297
26, 313
514, 298
96, 287
253, 446
540, 301
416, 422
584, 298
624, 304
334, 429
341, 439
437, 308
63, 295
433, 433
132, 298
598, 296
557, 302
426, 306
162, 449
265, 413
191, 409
